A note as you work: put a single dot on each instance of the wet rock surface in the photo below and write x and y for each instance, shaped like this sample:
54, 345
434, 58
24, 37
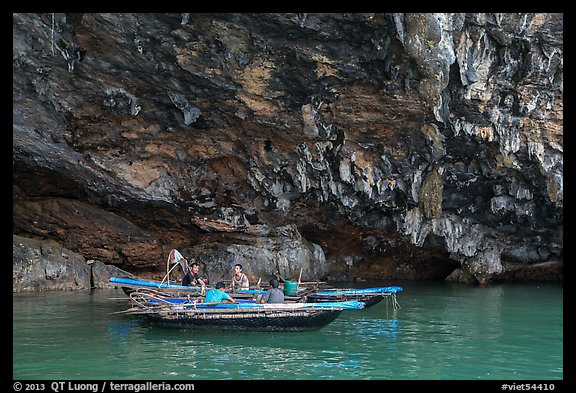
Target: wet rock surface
374, 146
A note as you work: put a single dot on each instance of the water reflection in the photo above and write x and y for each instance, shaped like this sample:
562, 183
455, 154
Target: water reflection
345, 348
120, 330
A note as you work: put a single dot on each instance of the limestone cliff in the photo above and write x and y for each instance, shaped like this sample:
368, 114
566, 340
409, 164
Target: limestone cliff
383, 146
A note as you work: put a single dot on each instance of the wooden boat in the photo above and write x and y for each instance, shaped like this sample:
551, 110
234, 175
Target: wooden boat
129, 285
179, 306
370, 296
246, 319
151, 298
244, 316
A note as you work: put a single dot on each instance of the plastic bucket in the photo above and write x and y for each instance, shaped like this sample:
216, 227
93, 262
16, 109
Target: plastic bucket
290, 287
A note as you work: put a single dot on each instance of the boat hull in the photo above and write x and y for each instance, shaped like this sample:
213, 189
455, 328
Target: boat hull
368, 300
369, 296
249, 320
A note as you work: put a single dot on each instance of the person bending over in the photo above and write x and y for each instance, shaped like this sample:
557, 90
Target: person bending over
217, 295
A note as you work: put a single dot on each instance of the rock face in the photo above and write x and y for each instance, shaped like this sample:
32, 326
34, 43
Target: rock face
47, 266
382, 146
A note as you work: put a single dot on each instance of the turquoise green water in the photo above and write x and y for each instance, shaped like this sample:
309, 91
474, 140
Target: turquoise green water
441, 332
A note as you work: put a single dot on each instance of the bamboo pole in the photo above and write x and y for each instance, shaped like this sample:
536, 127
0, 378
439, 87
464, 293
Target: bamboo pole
279, 277
299, 278
167, 276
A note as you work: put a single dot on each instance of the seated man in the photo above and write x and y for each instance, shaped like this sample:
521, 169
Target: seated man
192, 277
273, 295
217, 295
239, 279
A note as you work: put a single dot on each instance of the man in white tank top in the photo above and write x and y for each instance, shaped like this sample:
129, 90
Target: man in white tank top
239, 279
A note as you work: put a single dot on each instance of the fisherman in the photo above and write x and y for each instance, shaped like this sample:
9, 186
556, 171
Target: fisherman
273, 295
239, 279
192, 277
217, 295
